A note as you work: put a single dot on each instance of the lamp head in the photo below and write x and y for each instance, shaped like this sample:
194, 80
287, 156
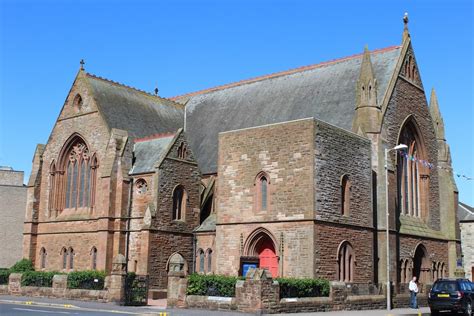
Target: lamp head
400, 147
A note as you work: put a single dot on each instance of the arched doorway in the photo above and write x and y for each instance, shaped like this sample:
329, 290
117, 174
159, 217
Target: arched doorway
260, 246
267, 256
421, 265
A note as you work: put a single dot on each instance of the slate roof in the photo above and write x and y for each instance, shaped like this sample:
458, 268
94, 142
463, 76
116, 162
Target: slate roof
465, 212
135, 111
147, 152
324, 91
209, 224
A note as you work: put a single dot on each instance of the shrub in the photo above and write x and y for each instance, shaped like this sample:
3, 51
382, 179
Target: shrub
23, 265
4, 274
90, 280
37, 278
290, 287
211, 285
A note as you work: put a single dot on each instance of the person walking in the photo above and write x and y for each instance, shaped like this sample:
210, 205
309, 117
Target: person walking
413, 287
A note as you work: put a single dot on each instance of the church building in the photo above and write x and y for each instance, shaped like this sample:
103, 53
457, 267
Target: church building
293, 171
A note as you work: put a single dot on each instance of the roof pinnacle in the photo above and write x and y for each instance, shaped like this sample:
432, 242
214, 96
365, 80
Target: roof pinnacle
82, 62
156, 90
406, 34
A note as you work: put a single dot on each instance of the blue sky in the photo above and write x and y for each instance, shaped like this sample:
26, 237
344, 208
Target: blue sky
183, 46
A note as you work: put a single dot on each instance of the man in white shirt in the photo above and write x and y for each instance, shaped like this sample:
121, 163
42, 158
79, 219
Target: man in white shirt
413, 287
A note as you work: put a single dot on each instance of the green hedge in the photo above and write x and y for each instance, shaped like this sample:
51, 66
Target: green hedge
4, 274
23, 265
211, 285
38, 278
290, 287
86, 280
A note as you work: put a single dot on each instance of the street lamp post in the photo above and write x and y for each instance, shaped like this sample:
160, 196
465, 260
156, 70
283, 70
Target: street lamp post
387, 226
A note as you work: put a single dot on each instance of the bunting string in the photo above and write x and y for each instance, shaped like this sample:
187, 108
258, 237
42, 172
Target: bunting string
429, 165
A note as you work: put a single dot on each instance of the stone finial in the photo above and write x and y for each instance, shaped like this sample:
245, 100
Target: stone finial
406, 34
405, 20
82, 62
156, 91
438, 122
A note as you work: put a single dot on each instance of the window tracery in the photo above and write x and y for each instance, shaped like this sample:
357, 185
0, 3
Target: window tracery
73, 180
141, 186
413, 177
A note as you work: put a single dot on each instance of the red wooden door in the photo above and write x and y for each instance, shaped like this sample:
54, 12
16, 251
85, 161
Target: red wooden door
268, 259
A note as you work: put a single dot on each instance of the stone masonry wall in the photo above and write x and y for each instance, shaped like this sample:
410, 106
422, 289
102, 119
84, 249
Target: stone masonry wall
406, 100
11, 177
167, 235
12, 212
467, 244
294, 246
74, 229
206, 241
338, 153
138, 252
284, 152
173, 172
328, 237
163, 245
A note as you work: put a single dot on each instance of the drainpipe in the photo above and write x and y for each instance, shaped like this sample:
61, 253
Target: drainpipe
194, 252
129, 215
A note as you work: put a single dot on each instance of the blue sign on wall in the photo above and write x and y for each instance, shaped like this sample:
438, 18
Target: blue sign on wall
246, 267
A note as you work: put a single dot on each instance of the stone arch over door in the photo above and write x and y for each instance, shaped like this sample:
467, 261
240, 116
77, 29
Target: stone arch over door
421, 264
262, 245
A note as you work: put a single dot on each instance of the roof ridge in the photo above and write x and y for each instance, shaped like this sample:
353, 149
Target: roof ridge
128, 87
280, 73
154, 136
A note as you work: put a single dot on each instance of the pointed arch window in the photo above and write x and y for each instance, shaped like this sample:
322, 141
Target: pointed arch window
201, 261
52, 188
345, 195
180, 198
262, 184
413, 174
70, 254
43, 255
94, 258
74, 186
209, 260
77, 103
182, 151
64, 258
346, 262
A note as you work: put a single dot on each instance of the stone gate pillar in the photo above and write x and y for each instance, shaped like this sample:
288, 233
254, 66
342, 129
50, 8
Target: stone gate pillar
116, 280
177, 286
258, 293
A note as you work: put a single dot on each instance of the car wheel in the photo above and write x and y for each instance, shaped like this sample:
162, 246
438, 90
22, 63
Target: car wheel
468, 309
434, 312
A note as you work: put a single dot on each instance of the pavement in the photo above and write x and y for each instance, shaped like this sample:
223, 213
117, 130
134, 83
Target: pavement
29, 306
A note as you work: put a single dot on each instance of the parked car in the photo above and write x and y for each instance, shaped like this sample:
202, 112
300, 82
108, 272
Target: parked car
455, 295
